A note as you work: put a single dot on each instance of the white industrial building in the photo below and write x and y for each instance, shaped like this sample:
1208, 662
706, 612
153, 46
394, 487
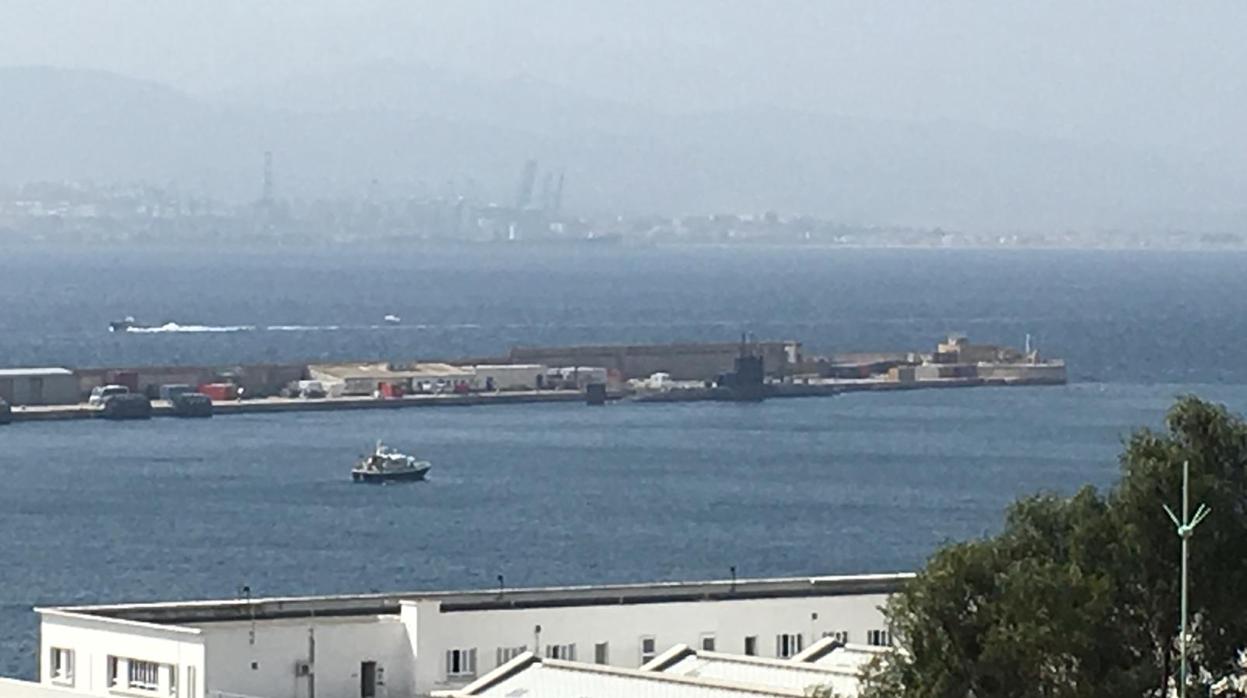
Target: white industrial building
508, 376
383, 645
367, 379
39, 386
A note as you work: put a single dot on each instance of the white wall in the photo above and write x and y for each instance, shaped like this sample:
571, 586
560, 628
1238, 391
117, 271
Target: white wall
410, 647
51, 389
93, 639
508, 377
12, 688
623, 626
341, 645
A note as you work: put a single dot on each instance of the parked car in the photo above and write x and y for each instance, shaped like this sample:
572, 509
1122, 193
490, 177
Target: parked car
101, 394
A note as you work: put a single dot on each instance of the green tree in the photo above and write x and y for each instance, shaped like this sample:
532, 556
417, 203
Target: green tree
1078, 596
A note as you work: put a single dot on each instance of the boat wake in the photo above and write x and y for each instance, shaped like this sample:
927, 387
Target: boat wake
175, 328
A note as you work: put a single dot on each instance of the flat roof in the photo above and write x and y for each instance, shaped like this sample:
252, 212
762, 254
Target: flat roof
383, 370
22, 372
528, 676
683, 660
225, 610
829, 652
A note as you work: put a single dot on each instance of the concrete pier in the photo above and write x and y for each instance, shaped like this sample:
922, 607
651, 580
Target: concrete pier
826, 388
663, 373
161, 408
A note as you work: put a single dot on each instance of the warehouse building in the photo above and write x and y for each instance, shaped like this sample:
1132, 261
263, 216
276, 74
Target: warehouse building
382, 645
490, 377
369, 379
39, 386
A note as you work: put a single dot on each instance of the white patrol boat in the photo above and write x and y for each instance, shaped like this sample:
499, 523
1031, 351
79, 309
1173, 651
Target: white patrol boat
385, 464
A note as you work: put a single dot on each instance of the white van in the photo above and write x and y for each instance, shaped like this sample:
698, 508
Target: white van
101, 393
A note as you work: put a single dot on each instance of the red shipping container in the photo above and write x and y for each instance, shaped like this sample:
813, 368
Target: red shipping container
391, 389
219, 392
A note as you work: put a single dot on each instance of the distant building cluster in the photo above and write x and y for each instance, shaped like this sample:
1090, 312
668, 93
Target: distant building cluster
91, 212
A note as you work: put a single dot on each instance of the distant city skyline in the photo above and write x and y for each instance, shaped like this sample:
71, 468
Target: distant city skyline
1033, 117
78, 212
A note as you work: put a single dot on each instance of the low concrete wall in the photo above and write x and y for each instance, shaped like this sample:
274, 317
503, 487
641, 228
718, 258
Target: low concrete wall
1053, 372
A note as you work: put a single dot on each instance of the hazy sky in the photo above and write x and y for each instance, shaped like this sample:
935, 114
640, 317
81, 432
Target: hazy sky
1141, 72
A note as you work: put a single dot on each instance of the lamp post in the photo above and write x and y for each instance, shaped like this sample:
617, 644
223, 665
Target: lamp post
1186, 528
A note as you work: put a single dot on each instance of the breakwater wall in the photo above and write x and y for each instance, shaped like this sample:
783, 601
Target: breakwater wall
51, 413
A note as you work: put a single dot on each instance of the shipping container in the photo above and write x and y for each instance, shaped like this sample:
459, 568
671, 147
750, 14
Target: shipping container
220, 392
391, 389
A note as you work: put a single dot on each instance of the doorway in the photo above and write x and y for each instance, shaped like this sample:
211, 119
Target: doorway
368, 680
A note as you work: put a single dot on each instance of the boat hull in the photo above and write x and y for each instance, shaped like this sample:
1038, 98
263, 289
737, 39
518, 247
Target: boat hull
381, 477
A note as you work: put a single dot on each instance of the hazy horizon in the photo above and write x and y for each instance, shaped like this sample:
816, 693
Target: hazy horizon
1041, 114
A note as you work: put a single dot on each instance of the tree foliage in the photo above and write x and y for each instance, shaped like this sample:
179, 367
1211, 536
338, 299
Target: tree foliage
1079, 596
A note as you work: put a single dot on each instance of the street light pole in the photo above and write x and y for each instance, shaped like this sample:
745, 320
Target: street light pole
1186, 528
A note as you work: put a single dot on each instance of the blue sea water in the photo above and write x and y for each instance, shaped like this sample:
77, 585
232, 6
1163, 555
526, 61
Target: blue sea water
564, 493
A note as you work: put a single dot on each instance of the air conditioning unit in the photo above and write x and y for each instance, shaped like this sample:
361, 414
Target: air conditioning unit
302, 668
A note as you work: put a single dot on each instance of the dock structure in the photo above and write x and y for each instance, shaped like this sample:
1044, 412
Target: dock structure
644, 373
161, 408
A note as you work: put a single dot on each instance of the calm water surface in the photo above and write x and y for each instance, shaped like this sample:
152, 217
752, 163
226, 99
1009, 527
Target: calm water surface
564, 493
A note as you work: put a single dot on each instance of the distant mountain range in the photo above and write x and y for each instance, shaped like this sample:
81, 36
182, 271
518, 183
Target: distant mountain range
413, 129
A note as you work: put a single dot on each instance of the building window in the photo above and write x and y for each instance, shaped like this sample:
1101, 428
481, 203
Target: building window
601, 653
707, 642
142, 676
460, 663
751, 645
138, 675
787, 645
62, 664
841, 636
648, 647
564, 652
506, 654
878, 638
